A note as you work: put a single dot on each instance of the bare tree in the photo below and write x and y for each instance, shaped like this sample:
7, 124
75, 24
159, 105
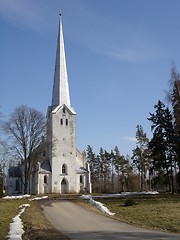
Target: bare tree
3, 164
26, 129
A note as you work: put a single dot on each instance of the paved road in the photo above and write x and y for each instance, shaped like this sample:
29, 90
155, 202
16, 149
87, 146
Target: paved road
79, 223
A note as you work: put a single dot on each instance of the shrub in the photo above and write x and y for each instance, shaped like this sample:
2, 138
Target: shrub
129, 202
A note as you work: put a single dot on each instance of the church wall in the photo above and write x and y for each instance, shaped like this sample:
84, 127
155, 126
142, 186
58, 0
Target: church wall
83, 174
44, 186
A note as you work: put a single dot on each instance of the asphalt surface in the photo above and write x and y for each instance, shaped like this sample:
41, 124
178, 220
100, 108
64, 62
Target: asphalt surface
79, 223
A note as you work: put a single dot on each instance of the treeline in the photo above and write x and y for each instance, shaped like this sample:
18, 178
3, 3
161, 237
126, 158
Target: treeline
111, 172
155, 163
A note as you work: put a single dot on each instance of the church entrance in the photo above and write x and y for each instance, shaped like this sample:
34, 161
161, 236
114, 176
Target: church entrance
64, 186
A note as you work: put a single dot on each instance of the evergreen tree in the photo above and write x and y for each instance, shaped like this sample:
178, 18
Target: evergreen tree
122, 169
162, 146
140, 156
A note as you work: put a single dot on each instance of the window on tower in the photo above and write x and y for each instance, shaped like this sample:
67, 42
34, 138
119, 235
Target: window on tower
64, 169
61, 121
66, 122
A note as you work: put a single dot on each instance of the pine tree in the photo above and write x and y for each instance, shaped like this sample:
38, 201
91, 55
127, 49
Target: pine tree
140, 156
162, 146
121, 167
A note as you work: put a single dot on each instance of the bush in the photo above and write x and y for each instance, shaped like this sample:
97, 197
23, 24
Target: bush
129, 202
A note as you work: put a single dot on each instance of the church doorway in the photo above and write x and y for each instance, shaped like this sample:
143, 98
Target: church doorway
64, 186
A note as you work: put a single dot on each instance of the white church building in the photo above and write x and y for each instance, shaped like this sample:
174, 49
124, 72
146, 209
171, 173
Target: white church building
60, 167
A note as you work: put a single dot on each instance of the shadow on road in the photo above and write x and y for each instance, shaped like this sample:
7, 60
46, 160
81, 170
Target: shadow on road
122, 236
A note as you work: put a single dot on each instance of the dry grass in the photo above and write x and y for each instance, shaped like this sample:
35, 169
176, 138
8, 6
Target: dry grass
160, 212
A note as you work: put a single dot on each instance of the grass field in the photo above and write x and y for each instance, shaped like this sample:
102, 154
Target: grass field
8, 210
160, 212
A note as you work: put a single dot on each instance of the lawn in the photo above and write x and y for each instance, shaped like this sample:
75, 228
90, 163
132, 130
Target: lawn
8, 210
160, 212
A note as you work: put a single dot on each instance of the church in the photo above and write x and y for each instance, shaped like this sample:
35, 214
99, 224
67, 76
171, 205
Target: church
59, 166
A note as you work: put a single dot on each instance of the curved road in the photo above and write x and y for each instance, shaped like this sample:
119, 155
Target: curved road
79, 223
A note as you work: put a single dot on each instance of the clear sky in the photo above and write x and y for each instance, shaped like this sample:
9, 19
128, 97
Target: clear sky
118, 52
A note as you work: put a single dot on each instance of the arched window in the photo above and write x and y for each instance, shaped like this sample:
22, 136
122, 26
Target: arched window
64, 169
45, 179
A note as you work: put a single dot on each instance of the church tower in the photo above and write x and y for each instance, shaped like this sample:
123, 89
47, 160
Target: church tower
69, 169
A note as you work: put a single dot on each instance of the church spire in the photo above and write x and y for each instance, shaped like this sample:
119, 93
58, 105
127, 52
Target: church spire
60, 87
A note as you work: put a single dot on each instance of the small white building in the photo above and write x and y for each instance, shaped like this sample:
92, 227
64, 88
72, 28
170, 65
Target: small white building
60, 167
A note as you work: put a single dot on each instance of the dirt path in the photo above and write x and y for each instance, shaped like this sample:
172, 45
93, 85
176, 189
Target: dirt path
79, 223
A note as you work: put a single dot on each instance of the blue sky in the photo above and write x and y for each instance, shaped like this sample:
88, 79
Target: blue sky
118, 52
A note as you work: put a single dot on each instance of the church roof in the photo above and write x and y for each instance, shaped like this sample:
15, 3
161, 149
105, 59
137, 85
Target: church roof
60, 87
45, 166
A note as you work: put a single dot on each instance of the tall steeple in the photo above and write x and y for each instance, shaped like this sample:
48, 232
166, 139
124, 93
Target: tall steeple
60, 94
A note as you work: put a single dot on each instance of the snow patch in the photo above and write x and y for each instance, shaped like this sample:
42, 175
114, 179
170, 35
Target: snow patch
126, 194
38, 198
25, 196
97, 204
17, 197
16, 227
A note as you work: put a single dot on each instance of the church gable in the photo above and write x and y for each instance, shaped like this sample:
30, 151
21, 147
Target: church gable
64, 108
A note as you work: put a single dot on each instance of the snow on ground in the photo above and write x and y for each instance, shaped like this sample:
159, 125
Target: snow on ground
38, 198
103, 208
16, 227
97, 204
17, 196
123, 194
